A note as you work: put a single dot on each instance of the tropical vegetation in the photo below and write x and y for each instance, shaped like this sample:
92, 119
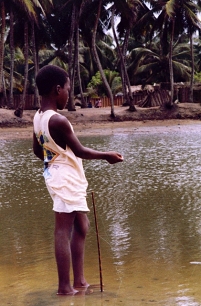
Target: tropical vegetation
106, 46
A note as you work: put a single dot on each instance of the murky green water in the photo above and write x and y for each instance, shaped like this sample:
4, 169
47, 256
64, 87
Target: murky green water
149, 220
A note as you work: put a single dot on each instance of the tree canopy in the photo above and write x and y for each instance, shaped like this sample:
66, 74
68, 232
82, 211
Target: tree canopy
136, 42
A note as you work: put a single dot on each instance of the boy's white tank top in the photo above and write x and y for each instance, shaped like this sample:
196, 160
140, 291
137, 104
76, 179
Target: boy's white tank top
64, 174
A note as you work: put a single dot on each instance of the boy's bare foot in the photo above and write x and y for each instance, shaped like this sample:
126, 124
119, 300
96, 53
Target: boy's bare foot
70, 291
87, 286
81, 285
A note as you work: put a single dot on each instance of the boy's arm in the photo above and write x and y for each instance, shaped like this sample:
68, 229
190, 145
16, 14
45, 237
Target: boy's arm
37, 149
61, 132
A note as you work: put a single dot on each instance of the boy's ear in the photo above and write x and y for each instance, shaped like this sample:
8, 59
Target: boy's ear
58, 88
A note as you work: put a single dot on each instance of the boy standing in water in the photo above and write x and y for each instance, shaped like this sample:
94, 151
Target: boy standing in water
55, 143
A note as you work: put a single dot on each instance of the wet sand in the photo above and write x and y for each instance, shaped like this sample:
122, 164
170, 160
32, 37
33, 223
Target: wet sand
98, 121
108, 128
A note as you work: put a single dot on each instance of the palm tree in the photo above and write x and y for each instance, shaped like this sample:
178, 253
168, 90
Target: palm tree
173, 17
80, 6
12, 56
71, 58
28, 16
124, 74
3, 27
151, 65
166, 24
187, 17
18, 62
77, 32
97, 88
127, 10
77, 44
38, 27
98, 60
64, 21
170, 11
104, 45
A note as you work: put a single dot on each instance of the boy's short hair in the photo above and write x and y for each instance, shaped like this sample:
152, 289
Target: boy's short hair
49, 76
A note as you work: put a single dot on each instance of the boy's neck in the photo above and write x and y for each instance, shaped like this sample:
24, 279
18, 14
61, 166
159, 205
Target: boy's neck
48, 104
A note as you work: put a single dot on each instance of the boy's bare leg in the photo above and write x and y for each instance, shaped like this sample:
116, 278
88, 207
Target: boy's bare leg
81, 226
63, 229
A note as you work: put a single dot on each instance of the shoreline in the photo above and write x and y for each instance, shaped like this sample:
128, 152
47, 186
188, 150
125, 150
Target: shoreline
109, 128
97, 121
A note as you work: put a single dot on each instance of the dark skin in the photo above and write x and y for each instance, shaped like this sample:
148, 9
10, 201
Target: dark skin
61, 132
71, 228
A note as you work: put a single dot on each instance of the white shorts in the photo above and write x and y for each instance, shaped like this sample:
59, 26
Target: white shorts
59, 205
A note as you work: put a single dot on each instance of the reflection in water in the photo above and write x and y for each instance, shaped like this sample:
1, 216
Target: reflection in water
149, 219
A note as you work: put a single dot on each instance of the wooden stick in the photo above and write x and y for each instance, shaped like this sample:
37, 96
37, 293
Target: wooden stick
98, 243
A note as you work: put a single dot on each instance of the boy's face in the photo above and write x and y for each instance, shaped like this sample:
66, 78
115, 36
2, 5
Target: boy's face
63, 95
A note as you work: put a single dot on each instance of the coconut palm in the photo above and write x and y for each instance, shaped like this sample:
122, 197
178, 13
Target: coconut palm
37, 28
97, 88
10, 5
166, 25
28, 17
12, 56
151, 65
197, 47
127, 10
3, 28
63, 20
104, 45
18, 79
13, 8
173, 18
97, 59
188, 19
77, 57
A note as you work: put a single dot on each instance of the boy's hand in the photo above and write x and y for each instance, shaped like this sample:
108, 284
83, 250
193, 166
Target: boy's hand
114, 157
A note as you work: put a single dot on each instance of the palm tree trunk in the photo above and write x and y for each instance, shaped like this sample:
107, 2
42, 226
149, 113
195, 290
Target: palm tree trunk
124, 74
19, 111
12, 57
3, 25
124, 88
4, 91
76, 52
129, 94
192, 69
95, 53
121, 59
71, 105
171, 65
36, 67
83, 101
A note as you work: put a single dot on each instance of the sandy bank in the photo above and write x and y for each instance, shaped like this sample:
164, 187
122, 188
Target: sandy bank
126, 127
98, 121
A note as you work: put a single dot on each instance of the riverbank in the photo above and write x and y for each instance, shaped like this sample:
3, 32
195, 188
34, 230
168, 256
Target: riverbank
97, 121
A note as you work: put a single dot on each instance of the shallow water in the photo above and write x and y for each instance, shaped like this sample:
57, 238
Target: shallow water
149, 220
